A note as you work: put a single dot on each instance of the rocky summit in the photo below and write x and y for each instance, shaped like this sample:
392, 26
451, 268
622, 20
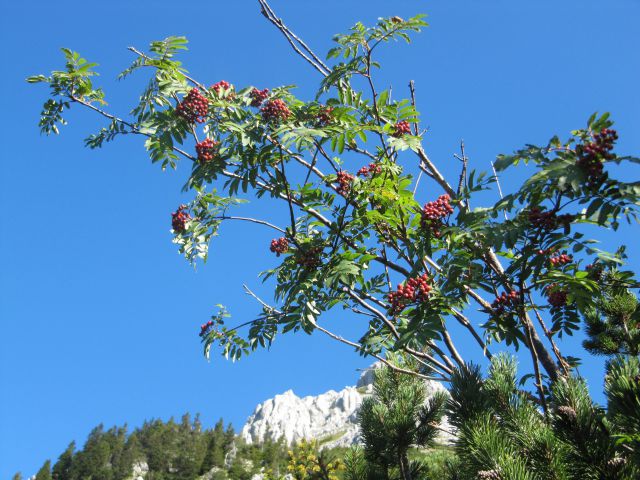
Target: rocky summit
330, 418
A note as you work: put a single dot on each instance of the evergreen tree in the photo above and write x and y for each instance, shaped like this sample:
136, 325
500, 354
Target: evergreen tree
504, 433
62, 468
17, 476
45, 471
613, 322
396, 418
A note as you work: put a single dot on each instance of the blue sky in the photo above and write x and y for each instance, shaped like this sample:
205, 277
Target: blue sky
99, 315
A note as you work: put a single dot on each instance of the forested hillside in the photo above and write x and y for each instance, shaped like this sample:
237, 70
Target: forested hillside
169, 450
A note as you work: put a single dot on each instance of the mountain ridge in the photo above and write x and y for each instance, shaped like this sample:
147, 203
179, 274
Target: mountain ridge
330, 417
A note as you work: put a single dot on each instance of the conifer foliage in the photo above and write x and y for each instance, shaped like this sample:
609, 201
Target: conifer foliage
396, 418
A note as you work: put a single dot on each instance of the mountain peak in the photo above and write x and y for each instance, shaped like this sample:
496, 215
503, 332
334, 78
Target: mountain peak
330, 418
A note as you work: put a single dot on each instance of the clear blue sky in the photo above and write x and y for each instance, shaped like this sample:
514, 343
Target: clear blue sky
99, 314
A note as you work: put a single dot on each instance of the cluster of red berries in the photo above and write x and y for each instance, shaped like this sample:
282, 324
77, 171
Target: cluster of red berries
556, 296
258, 96
504, 301
179, 219
275, 110
438, 209
591, 154
194, 107
434, 212
415, 289
371, 169
561, 259
309, 257
548, 221
206, 150
595, 271
204, 328
325, 115
222, 85
401, 128
279, 246
344, 180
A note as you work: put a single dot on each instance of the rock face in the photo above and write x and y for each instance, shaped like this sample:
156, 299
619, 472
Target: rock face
140, 470
330, 418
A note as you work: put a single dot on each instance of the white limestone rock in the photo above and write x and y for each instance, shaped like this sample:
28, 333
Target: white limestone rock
140, 470
330, 418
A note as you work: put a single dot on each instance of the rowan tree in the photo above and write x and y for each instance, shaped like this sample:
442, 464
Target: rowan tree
360, 222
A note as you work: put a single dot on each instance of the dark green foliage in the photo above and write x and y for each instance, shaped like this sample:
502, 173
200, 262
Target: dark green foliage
504, 432
613, 322
172, 451
393, 420
45, 471
62, 468
622, 387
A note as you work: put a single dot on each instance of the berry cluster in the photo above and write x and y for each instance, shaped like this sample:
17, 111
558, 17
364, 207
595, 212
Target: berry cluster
344, 180
258, 96
591, 154
415, 289
561, 259
504, 301
325, 116
434, 212
275, 110
371, 169
222, 85
595, 271
179, 219
556, 297
401, 128
205, 327
309, 257
279, 246
547, 221
194, 107
206, 150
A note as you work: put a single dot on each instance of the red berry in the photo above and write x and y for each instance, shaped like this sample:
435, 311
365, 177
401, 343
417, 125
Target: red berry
194, 107
275, 111
206, 150
344, 180
433, 214
179, 219
401, 128
222, 88
591, 155
258, 96
279, 246
325, 116
371, 169
415, 289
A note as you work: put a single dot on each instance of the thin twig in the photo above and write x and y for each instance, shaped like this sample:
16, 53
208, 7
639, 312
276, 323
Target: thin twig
252, 220
463, 174
315, 62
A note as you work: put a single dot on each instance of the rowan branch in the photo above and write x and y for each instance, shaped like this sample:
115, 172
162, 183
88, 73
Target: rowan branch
314, 61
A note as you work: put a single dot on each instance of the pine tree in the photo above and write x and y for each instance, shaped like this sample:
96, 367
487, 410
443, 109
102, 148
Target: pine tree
504, 433
613, 322
62, 468
45, 471
396, 418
